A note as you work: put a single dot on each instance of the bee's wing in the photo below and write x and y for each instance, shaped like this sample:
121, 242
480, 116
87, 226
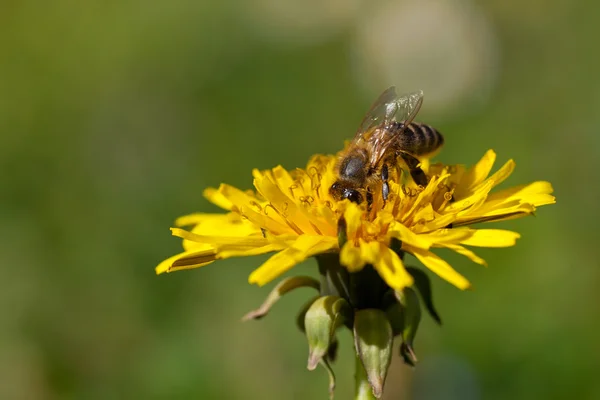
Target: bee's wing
383, 109
388, 108
393, 113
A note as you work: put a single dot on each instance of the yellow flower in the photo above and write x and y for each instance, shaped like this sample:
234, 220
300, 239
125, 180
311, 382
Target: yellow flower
292, 213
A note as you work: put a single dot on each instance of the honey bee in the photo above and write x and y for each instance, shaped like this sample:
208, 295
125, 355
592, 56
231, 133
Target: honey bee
386, 135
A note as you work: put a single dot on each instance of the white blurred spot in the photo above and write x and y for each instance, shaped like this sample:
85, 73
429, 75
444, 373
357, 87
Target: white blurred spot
300, 22
445, 48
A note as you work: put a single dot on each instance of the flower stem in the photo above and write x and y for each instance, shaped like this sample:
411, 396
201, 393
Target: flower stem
362, 389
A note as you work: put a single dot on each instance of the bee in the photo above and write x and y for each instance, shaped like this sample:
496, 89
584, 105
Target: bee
386, 135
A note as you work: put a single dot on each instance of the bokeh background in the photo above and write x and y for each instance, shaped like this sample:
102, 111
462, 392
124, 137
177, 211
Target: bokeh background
115, 115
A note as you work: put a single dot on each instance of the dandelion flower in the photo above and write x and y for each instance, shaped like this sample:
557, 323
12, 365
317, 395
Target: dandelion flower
292, 214
365, 284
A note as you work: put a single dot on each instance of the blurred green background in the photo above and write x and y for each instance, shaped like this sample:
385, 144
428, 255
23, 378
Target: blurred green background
115, 115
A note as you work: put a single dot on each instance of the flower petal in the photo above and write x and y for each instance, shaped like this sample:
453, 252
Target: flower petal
501, 214
243, 241
217, 225
536, 193
476, 197
504, 172
305, 246
284, 205
187, 260
401, 232
216, 197
353, 215
233, 252
446, 235
467, 253
475, 175
440, 267
491, 238
391, 268
351, 257
271, 223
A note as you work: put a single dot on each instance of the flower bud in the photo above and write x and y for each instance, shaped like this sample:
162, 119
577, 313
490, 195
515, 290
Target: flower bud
331, 351
322, 319
373, 339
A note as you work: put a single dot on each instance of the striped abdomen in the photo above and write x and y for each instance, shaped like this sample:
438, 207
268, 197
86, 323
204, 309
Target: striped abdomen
420, 139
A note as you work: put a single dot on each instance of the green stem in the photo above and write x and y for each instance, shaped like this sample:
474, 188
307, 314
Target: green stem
362, 387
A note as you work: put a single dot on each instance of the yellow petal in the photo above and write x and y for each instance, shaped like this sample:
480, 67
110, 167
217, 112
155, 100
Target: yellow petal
187, 260
216, 197
370, 251
351, 257
238, 198
424, 196
401, 232
353, 216
491, 238
475, 175
499, 214
305, 246
439, 222
476, 197
536, 193
467, 253
445, 236
271, 221
440, 267
229, 253
242, 242
391, 268
218, 225
283, 179
504, 172
285, 206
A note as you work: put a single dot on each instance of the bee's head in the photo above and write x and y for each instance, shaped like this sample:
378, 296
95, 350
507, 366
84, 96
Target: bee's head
340, 191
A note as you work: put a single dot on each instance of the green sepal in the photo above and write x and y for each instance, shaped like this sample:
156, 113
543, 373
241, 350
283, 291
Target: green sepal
423, 285
322, 319
331, 374
412, 317
373, 338
395, 314
282, 288
332, 351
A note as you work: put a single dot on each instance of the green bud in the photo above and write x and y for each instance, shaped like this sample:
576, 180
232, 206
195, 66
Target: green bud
302, 314
331, 351
282, 288
412, 317
373, 339
322, 319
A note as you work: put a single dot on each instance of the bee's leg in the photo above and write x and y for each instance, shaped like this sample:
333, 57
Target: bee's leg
415, 171
369, 196
385, 189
